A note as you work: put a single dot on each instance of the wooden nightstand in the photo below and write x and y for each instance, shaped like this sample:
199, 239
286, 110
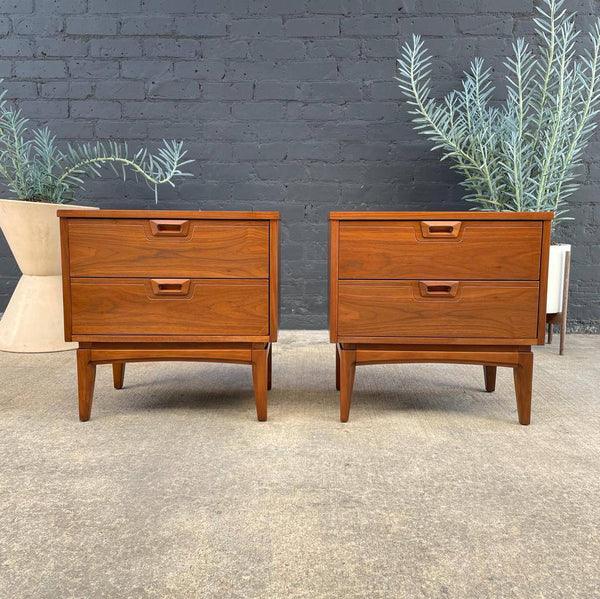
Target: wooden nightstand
461, 287
169, 285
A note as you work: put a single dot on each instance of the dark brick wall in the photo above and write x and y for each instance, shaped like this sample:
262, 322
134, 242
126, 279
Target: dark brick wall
286, 105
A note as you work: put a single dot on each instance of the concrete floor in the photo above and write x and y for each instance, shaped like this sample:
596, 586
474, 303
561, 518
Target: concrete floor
174, 490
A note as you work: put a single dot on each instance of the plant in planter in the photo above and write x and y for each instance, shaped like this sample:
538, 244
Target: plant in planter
523, 155
44, 178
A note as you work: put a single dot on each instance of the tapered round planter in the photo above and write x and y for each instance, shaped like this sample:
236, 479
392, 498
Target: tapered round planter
33, 320
556, 277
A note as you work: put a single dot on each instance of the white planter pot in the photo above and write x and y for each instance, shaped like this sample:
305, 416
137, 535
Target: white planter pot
556, 273
33, 320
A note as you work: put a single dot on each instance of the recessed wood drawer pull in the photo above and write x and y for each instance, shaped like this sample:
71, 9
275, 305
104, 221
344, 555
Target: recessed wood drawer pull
170, 286
169, 228
438, 288
440, 229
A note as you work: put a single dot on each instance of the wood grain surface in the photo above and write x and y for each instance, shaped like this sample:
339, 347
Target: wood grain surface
170, 214
438, 287
170, 285
479, 309
128, 306
479, 251
458, 215
138, 248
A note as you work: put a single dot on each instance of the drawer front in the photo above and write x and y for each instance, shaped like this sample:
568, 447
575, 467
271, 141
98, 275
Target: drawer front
475, 250
442, 309
169, 307
168, 248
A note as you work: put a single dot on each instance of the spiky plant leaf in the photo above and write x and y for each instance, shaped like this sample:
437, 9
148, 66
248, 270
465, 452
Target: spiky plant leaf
525, 155
35, 169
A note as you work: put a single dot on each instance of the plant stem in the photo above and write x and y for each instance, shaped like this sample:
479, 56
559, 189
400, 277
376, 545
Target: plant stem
550, 62
423, 111
590, 98
544, 173
135, 167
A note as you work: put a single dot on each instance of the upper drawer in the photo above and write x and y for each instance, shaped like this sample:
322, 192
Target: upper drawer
440, 249
168, 248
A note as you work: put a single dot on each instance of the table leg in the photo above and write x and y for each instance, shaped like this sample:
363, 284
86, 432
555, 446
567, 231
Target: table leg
86, 378
489, 373
337, 367
347, 372
118, 374
523, 375
270, 367
259, 378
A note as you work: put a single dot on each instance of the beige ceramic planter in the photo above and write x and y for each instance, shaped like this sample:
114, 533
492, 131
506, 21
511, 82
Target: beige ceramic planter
33, 320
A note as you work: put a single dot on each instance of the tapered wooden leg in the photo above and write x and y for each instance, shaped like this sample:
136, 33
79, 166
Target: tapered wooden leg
270, 367
347, 372
337, 367
523, 374
550, 332
86, 377
563, 323
489, 373
565, 303
118, 374
259, 378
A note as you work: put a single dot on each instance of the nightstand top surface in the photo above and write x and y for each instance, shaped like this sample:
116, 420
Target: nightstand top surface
165, 214
470, 215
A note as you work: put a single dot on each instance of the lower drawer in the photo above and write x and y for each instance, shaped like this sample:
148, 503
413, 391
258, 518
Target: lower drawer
194, 307
443, 309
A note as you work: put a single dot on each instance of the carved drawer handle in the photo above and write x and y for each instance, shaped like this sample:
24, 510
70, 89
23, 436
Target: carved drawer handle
169, 228
170, 287
438, 288
444, 229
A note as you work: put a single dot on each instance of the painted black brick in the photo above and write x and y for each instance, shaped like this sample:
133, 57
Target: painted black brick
288, 106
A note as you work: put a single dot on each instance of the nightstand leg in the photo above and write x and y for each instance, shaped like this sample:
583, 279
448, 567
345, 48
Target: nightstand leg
259, 378
489, 373
337, 367
347, 372
523, 374
118, 374
86, 377
270, 367
550, 332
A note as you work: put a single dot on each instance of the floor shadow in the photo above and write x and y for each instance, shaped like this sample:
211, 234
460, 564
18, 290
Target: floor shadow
452, 401
190, 399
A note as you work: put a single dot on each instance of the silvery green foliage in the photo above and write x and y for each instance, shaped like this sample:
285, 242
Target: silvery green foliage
36, 170
523, 155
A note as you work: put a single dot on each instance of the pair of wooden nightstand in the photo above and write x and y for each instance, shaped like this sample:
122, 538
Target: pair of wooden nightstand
461, 287
404, 287
141, 286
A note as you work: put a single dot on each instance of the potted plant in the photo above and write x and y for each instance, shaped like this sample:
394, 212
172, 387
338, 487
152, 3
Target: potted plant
524, 154
43, 178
